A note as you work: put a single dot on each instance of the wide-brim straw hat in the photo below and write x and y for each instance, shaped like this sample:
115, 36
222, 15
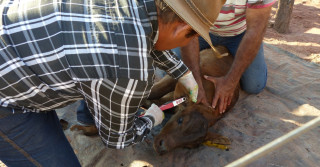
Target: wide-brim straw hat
199, 14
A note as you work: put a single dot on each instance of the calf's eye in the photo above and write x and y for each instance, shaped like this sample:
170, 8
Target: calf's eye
180, 120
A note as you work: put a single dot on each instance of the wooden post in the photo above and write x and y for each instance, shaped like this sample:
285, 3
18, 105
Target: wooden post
283, 16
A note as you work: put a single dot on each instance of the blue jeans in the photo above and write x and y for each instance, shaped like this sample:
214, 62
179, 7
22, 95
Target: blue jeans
84, 116
34, 139
254, 79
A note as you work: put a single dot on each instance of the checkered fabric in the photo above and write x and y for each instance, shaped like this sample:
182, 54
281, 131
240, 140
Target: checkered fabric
53, 53
118, 99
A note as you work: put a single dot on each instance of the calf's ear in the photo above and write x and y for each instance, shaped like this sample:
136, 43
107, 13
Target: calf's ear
181, 91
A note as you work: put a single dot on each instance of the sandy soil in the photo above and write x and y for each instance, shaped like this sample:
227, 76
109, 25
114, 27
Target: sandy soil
304, 37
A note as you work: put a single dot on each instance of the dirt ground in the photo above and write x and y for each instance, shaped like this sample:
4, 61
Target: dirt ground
304, 37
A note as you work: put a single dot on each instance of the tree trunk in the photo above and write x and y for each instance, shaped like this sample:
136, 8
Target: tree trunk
283, 16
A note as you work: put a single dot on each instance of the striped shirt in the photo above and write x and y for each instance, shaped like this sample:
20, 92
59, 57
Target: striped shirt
232, 18
49, 48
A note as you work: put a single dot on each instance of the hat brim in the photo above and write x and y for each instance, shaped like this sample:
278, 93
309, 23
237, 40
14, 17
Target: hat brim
182, 9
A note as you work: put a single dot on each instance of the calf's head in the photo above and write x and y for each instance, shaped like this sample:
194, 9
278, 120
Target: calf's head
187, 128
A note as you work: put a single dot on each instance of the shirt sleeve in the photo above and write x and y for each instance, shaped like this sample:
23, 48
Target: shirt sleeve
257, 4
167, 61
114, 104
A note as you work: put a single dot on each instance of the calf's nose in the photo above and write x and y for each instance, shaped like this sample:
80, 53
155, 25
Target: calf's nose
161, 147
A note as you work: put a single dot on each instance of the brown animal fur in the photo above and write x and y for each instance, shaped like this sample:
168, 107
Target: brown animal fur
188, 127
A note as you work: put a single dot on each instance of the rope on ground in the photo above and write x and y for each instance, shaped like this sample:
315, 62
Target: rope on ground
245, 160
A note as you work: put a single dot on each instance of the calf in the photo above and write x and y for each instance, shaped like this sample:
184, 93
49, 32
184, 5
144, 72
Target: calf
188, 127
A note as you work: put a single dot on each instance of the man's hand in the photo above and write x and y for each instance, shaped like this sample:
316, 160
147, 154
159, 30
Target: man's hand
196, 92
190, 84
224, 89
202, 98
156, 113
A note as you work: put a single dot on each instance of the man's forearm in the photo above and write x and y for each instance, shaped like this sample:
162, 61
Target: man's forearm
257, 20
246, 53
191, 57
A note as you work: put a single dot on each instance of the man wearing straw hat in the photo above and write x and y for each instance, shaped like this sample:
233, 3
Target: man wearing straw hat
54, 53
